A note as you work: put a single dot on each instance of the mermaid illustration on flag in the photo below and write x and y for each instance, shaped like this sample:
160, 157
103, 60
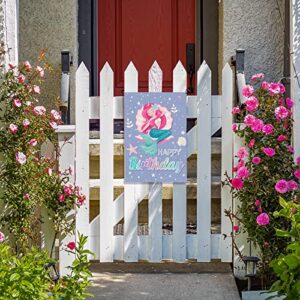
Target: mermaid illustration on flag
154, 122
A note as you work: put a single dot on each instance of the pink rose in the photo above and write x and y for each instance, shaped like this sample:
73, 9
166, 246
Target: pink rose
2, 237
252, 103
39, 110
71, 246
61, 198
249, 120
40, 70
258, 76
26, 196
26, 123
236, 110
236, 228
289, 102
242, 153
33, 142
257, 203
21, 78
27, 66
17, 102
21, 158
276, 88
297, 174
268, 129
55, 115
243, 172
262, 219
234, 127
49, 171
256, 160
36, 89
248, 90
281, 138
257, 125
251, 143
290, 149
13, 128
269, 151
237, 183
281, 112
292, 185
281, 186
68, 190
265, 85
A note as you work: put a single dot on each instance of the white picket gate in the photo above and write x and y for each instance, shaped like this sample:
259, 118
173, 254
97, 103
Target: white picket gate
211, 112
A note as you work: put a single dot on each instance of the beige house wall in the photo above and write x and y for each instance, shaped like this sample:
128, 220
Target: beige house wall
254, 25
52, 25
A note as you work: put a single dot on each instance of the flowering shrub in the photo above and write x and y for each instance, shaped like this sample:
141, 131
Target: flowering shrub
28, 179
265, 168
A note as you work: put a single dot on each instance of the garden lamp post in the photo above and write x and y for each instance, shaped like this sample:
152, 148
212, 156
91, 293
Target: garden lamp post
251, 268
53, 273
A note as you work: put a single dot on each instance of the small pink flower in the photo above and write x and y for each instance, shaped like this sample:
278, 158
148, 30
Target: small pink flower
289, 102
292, 185
55, 115
258, 76
281, 186
268, 129
265, 85
290, 149
269, 151
237, 183
36, 89
251, 143
27, 66
2, 237
248, 90
249, 120
61, 198
11, 66
21, 158
236, 110
242, 153
281, 112
297, 174
40, 70
262, 219
257, 203
276, 88
26, 196
256, 160
281, 138
21, 78
252, 103
13, 128
17, 102
49, 171
68, 190
257, 126
71, 246
259, 209
53, 125
33, 142
39, 110
243, 172
234, 127
26, 123
236, 228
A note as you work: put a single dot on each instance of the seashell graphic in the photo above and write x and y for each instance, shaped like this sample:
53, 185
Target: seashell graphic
174, 109
181, 142
129, 124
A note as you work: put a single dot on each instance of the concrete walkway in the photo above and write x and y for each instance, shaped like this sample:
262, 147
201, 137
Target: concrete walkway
175, 286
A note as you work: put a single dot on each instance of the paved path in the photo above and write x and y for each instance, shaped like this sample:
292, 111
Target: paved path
191, 286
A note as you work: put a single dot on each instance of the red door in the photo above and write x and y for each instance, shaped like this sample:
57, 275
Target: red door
143, 31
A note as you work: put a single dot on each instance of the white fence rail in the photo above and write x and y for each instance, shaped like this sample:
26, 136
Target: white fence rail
155, 246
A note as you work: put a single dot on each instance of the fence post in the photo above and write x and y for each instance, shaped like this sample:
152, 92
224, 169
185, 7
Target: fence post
130, 200
155, 193
106, 164
204, 163
227, 158
179, 189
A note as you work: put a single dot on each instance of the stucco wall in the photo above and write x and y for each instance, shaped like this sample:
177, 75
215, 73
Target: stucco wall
255, 26
52, 25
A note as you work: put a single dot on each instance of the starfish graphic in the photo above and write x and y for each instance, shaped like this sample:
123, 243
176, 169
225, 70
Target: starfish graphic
132, 149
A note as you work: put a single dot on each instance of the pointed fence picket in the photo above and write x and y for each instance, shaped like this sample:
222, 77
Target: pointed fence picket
154, 246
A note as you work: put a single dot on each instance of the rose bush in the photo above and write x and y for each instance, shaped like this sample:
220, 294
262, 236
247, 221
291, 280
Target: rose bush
265, 167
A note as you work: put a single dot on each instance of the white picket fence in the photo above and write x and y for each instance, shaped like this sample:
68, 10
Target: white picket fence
211, 112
